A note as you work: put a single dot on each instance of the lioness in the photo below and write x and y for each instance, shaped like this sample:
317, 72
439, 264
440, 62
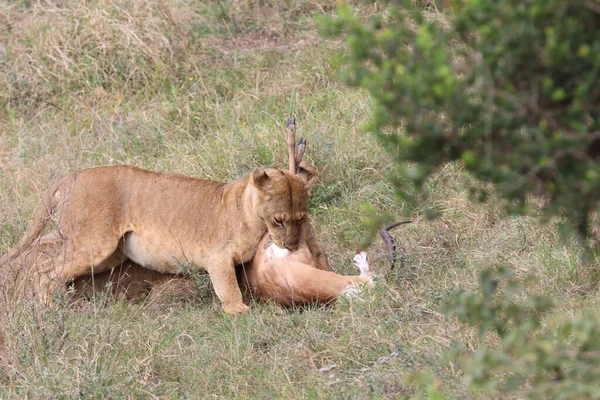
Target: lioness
160, 221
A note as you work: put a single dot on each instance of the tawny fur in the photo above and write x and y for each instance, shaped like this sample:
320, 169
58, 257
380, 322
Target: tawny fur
293, 279
301, 277
107, 214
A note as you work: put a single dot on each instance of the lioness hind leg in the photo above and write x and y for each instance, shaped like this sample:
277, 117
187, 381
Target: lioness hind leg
65, 264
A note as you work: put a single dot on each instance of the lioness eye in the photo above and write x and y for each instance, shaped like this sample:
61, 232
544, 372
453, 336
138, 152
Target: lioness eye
279, 221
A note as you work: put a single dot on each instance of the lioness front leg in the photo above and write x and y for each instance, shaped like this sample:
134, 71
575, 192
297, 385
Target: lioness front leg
222, 275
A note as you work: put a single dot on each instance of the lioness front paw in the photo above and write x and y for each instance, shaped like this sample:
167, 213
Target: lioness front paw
236, 309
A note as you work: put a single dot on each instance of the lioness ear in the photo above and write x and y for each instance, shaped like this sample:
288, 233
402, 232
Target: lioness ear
259, 178
308, 173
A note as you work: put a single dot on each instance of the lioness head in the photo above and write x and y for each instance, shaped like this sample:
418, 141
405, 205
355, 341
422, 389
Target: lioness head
282, 203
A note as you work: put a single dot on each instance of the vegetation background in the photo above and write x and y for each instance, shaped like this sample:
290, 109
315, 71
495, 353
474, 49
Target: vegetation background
203, 89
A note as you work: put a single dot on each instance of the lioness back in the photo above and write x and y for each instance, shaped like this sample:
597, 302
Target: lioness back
172, 213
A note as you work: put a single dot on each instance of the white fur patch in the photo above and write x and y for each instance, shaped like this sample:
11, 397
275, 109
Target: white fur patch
352, 292
278, 251
360, 262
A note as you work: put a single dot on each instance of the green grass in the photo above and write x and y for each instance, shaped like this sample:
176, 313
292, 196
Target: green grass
206, 94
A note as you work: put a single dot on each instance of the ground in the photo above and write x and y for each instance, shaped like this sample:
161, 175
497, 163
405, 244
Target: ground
204, 90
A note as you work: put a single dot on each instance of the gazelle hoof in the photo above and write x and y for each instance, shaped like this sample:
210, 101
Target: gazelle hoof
360, 262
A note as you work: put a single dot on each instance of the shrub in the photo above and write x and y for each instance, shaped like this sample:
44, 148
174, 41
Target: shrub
511, 88
561, 364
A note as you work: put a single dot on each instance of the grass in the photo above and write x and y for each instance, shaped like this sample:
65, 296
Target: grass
203, 89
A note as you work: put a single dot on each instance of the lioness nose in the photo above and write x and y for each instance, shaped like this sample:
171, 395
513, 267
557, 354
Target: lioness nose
291, 245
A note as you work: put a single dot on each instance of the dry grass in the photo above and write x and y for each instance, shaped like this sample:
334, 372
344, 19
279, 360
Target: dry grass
204, 92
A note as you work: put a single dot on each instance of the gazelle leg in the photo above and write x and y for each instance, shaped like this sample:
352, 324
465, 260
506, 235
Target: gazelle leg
291, 142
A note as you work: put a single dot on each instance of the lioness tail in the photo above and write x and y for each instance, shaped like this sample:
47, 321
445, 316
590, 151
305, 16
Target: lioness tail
42, 214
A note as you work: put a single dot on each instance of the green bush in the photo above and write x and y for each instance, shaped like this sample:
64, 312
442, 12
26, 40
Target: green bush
511, 88
528, 357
